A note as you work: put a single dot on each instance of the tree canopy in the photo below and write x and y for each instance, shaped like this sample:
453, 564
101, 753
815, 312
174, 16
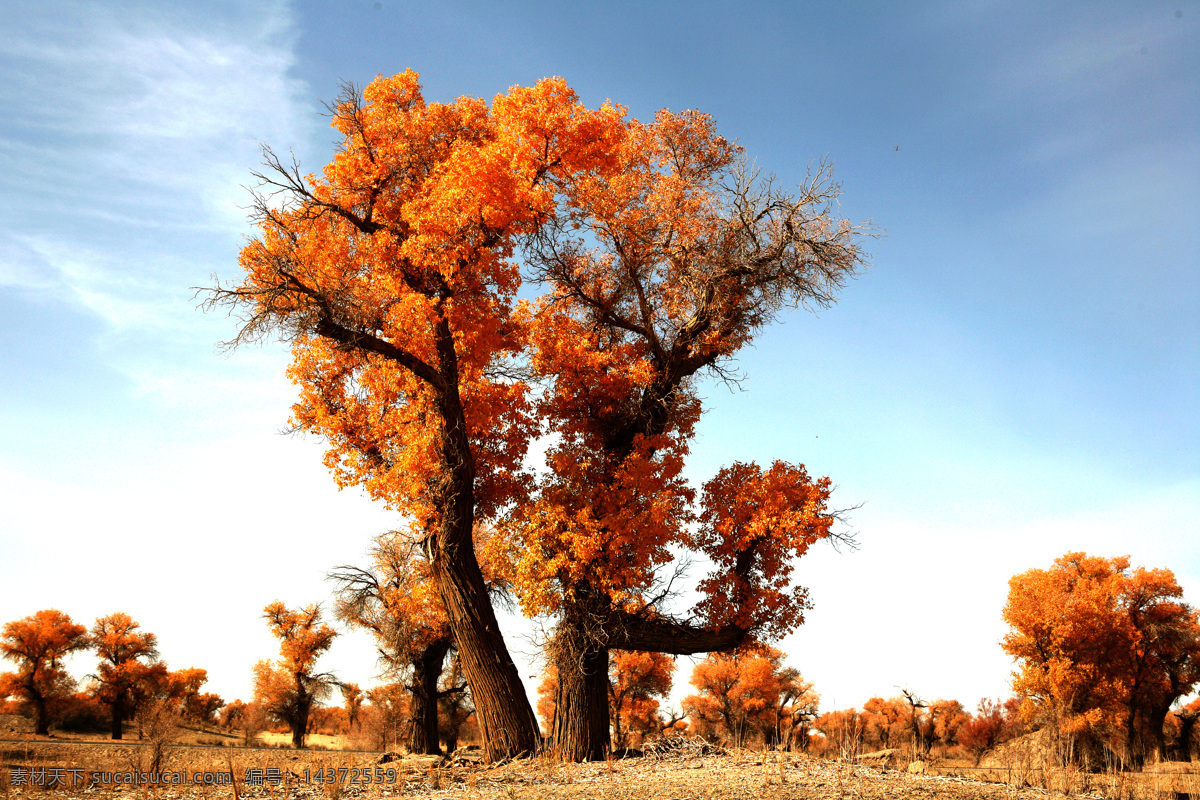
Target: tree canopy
660, 253
1103, 650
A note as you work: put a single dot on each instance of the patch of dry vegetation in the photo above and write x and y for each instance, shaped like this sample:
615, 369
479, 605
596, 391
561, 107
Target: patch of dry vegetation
682, 769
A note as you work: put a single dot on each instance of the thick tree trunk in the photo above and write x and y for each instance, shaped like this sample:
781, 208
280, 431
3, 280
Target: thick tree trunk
41, 716
423, 738
300, 723
118, 717
1187, 730
506, 719
1134, 752
581, 722
1156, 747
665, 635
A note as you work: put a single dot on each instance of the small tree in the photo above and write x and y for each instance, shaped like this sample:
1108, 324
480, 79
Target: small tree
386, 715
943, 723
842, 732
129, 672
885, 722
289, 689
454, 705
983, 730
547, 703
796, 710
38, 643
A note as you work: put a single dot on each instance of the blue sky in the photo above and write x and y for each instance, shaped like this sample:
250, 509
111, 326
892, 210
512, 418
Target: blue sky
1015, 376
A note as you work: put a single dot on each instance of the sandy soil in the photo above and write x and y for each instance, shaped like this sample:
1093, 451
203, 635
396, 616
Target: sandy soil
104, 770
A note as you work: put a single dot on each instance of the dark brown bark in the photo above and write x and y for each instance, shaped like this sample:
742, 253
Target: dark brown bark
1156, 747
581, 719
506, 719
41, 714
665, 635
427, 668
1187, 731
118, 717
299, 722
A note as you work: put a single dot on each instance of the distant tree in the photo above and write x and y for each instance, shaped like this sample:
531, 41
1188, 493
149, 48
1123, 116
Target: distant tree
250, 717
182, 688
796, 710
352, 700
38, 644
232, 714
943, 723
386, 715
738, 694
636, 680
129, 672
885, 722
1103, 650
917, 717
454, 704
547, 704
992, 723
289, 689
842, 731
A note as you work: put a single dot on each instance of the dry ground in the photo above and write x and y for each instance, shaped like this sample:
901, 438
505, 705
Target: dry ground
675, 775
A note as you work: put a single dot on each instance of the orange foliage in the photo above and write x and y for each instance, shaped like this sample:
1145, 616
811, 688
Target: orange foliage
399, 257
942, 724
636, 679
993, 723
885, 722
547, 703
662, 253
183, 688
746, 693
1103, 650
392, 275
129, 671
754, 524
38, 643
650, 286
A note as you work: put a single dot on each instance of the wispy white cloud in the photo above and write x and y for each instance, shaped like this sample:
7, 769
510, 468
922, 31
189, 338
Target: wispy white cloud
132, 130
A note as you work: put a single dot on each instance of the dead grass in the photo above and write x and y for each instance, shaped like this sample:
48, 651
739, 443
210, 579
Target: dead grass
687, 772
